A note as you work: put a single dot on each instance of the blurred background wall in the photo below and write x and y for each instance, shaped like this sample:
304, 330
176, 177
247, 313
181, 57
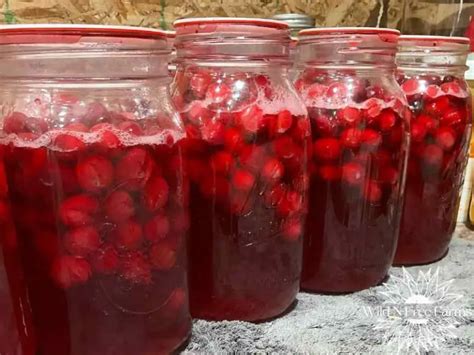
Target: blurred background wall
421, 16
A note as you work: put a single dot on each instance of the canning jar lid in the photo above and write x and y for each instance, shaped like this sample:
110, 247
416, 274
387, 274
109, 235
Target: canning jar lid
70, 33
348, 31
231, 21
433, 40
296, 21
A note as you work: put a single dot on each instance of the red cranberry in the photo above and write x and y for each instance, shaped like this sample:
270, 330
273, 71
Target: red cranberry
134, 169
68, 143
432, 155
290, 204
370, 139
329, 172
213, 132
157, 228
198, 114
78, 210
94, 173
108, 139
130, 127
128, 235
382, 158
274, 195
221, 162
438, 106
292, 229
375, 92
233, 140
179, 222
283, 122
373, 192
374, 108
351, 137
82, 241
353, 173
119, 206
317, 90
95, 113
430, 123
445, 138
68, 271
251, 119
243, 180
176, 300
432, 91
199, 83
218, 93
349, 115
451, 87
410, 86
418, 131
327, 149
272, 170
337, 91
136, 269
156, 193
388, 175
387, 120
285, 148
15, 123
106, 261
453, 117
162, 256
324, 126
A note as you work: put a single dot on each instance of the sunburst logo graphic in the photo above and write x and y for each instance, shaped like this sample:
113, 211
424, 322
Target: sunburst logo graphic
419, 313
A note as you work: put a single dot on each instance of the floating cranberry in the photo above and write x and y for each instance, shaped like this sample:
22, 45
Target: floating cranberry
128, 235
430, 123
272, 170
221, 162
453, 117
119, 206
290, 204
109, 139
418, 131
373, 192
349, 115
95, 112
94, 173
329, 172
218, 93
198, 114
199, 83
82, 241
251, 119
432, 155
14, 123
106, 261
78, 210
446, 138
136, 269
157, 228
327, 149
316, 90
438, 106
243, 180
213, 132
156, 193
292, 229
410, 86
284, 121
370, 139
68, 143
451, 87
68, 271
353, 174
233, 140
134, 169
337, 91
162, 256
351, 137
387, 120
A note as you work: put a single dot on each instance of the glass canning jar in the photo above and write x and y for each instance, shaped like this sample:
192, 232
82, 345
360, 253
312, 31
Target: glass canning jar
97, 191
431, 73
246, 150
360, 131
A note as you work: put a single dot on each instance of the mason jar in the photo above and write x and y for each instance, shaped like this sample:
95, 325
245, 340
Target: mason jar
359, 125
431, 74
96, 186
246, 153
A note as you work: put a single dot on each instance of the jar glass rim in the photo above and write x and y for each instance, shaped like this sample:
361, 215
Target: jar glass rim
348, 30
9, 32
260, 22
434, 39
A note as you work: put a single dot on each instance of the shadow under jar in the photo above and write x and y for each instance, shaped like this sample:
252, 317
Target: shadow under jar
246, 151
431, 73
96, 186
360, 131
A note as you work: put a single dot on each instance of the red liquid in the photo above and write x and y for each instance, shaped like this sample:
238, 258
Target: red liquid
248, 194
101, 236
439, 142
359, 142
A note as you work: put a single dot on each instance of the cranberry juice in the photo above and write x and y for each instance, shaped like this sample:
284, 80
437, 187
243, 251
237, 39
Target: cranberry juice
246, 160
440, 132
100, 218
359, 148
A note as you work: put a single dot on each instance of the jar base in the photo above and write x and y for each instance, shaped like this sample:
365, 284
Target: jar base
331, 286
412, 259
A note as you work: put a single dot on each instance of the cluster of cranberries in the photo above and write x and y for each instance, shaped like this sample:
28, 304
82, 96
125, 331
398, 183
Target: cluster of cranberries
438, 128
353, 124
239, 155
100, 208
